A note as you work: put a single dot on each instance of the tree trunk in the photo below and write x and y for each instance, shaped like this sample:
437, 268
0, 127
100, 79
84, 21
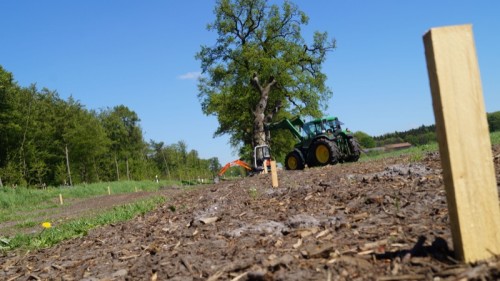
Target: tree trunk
128, 172
117, 169
96, 171
22, 154
166, 164
1, 184
67, 166
259, 134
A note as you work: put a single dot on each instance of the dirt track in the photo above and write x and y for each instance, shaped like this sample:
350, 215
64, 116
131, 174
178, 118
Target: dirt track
384, 220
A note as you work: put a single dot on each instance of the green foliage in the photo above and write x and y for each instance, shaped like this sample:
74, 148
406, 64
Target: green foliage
37, 127
260, 56
176, 162
282, 142
427, 134
214, 165
419, 136
494, 121
364, 139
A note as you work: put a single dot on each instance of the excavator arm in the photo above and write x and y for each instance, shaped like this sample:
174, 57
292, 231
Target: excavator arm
232, 164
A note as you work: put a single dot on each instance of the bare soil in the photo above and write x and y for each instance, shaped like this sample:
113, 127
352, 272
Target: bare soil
378, 220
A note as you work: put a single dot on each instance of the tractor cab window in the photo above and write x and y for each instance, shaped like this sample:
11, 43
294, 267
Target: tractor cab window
317, 128
335, 125
306, 130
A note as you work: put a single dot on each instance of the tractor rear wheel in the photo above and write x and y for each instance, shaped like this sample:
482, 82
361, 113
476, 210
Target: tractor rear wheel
324, 152
294, 161
355, 150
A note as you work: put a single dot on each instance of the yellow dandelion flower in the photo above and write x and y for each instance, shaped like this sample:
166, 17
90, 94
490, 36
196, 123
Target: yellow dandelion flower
46, 225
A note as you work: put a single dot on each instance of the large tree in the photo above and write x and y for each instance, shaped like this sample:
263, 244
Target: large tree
122, 126
261, 68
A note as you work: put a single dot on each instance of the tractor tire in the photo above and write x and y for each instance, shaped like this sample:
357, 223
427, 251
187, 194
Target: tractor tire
355, 150
294, 161
323, 152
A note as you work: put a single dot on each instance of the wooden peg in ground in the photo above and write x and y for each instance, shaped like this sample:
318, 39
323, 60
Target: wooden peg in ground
274, 174
464, 142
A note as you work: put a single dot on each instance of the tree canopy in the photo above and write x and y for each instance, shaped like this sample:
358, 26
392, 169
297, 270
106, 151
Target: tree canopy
261, 69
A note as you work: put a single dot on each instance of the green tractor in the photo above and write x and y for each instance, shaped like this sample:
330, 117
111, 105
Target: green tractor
321, 142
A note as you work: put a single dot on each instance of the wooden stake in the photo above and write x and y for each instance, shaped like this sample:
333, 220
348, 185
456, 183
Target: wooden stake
109, 190
274, 174
464, 142
61, 199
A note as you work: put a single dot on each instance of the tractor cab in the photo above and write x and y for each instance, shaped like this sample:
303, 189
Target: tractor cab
328, 125
333, 125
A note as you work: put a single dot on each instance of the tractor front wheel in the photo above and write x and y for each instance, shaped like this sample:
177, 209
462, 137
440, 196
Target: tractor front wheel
294, 161
324, 152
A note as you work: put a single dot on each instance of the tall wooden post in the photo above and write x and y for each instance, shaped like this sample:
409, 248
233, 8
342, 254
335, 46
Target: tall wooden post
117, 169
464, 142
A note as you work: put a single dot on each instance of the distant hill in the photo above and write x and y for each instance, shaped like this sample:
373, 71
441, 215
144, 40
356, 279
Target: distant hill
426, 134
419, 136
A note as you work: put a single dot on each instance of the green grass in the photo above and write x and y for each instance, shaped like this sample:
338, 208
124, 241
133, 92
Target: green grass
23, 200
416, 153
26, 224
495, 138
79, 227
253, 193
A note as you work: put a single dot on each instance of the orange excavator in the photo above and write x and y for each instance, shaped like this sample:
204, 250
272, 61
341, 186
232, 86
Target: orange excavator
261, 157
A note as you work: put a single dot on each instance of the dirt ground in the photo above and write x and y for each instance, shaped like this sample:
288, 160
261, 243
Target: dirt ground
379, 220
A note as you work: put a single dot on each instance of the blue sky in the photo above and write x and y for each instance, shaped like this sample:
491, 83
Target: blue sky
141, 54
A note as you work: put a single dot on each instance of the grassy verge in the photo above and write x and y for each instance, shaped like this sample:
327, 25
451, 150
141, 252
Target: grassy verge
14, 202
416, 153
495, 138
48, 237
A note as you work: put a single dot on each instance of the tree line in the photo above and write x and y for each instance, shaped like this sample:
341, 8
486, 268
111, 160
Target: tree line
418, 136
46, 140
